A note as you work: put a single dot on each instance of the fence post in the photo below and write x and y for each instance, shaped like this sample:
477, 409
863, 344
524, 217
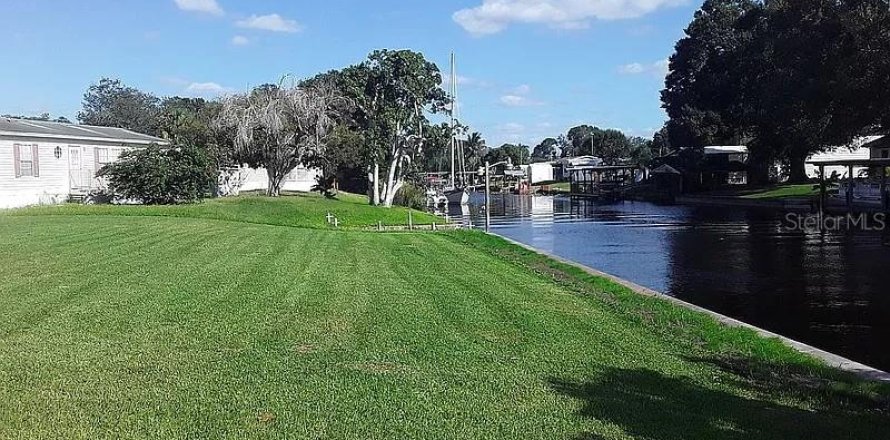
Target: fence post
410, 221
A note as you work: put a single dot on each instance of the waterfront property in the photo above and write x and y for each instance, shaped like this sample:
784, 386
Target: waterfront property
603, 181
189, 326
49, 162
856, 150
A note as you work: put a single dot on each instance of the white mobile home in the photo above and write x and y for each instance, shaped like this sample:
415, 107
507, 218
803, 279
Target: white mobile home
49, 162
243, 179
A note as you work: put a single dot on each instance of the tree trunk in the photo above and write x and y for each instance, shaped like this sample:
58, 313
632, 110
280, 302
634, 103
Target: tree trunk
758, 168
798, 171
375, 184
391, 181
274, 188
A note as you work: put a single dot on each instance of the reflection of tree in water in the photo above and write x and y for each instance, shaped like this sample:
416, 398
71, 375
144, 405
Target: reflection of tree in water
824, 290
648, 404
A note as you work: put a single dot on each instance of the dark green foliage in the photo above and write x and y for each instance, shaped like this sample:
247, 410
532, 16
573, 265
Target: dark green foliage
161, 175
788, 78
545, 150
326, 185
516, 154
411, 196
110, 103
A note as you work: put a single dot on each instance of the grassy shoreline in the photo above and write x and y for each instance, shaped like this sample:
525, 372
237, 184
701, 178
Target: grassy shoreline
154, 327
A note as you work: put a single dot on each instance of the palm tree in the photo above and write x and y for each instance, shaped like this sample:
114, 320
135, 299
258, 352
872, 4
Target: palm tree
475, 150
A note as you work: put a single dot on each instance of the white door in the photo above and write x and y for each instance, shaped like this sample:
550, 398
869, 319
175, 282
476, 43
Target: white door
75, 167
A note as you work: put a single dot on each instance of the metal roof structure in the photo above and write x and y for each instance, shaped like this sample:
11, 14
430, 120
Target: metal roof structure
57, 130
853, 163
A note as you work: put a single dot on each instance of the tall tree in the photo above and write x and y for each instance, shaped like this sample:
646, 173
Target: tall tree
394, 91
278, 127
110, 103
579, 140
475, 149
787, 77
517, 154
608, 144
546, 150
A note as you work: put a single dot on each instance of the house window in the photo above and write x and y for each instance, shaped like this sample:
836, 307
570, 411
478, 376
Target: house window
102, 156
26, 160
885, 154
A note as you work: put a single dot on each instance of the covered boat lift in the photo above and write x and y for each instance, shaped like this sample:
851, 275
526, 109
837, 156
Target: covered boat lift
851, 164
601, 181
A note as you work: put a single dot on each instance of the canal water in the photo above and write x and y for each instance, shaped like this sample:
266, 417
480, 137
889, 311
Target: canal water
830, 289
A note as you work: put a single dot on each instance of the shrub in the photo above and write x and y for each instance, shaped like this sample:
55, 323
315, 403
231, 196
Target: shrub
325, 185
411, 195
158, 175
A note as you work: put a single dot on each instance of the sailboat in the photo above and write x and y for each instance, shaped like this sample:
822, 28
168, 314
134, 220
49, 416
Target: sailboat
456, 192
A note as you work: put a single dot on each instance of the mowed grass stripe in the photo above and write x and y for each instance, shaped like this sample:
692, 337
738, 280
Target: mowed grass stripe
204, 329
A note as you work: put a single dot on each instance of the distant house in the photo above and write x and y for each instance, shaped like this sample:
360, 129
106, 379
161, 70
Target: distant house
237, 180
562, 168
878, 147
49, 162
540, 172
858, 149
725, 164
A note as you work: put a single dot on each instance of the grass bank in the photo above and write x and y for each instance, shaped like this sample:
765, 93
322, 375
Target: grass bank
765, 193
146, 326
302, 210
779, 192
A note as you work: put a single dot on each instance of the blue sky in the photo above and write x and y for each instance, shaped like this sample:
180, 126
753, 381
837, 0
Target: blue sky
528, 69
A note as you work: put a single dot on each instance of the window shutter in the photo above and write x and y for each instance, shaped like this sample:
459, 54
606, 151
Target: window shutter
17, 159
35, 160
96, 160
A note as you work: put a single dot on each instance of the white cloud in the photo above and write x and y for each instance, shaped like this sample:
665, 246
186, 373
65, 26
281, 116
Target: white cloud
204, 6
270, 22
493, 16
523, 89
516, 101
659, 68
240, 40
207, 89
518, 97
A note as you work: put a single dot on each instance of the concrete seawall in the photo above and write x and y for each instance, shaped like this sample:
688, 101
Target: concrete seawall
831, 359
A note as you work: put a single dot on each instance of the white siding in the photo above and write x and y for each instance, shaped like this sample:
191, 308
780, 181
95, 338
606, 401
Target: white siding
301, 180
54, 183
842, 153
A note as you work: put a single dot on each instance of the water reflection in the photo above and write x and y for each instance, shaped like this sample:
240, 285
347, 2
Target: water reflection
829, 290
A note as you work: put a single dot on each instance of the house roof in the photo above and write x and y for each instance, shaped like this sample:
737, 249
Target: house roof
665, 169
58, 130
726, 149
880, 142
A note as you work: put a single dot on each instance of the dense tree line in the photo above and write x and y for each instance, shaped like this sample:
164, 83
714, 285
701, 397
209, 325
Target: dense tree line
367, 126
612, 146
788, 78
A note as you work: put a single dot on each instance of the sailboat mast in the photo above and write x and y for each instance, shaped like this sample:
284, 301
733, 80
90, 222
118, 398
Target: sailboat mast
453, 108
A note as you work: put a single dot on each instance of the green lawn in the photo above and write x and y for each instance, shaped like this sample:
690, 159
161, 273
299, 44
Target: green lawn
127, 324
304, 210
784, 191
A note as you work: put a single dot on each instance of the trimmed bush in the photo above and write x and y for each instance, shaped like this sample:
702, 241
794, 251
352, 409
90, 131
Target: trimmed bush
158, 175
